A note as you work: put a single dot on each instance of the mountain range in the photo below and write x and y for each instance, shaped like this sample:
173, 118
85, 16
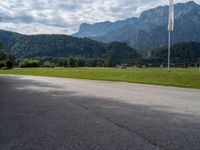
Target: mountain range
128, 38
148, 31
56, 47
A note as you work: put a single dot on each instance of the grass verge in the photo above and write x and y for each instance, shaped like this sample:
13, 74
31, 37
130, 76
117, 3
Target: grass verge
178, 77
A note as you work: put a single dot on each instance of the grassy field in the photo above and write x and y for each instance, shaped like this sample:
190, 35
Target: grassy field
189, 77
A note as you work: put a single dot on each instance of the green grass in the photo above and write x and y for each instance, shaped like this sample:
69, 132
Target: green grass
189, 77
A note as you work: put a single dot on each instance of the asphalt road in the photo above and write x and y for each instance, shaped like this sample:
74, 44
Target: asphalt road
43, 113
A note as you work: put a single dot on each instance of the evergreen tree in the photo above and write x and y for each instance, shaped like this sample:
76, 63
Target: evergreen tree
71, 62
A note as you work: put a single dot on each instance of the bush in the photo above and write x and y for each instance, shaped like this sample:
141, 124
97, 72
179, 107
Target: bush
79, 62
91, 62
65, 62
9, 64
2, 64
29, 63
71, 62
108, 62
48, 64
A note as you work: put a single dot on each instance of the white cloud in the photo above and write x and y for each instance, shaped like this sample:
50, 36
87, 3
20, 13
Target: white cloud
33, 28
65, 16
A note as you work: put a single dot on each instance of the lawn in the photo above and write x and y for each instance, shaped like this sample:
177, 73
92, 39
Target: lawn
189, 77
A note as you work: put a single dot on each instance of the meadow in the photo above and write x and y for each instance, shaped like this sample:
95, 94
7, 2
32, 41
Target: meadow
178, 77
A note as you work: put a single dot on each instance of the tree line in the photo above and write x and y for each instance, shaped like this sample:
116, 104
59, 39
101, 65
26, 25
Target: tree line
6, 59
70, 62
183, 52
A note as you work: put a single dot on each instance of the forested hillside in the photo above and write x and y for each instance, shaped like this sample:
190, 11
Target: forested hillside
55, 48
7, 39
183, 52
3, 54
6, 60
31, 46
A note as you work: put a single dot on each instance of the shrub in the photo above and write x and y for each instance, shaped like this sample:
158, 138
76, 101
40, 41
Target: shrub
79, 62
9, 64
71, 62
91, 62
2, 64
48, 64
108, 62
29, 63
65, 62
3, 55
60, 62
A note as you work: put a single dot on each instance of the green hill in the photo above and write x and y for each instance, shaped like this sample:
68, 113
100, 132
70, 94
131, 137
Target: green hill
58, 46
183, 52
31, 46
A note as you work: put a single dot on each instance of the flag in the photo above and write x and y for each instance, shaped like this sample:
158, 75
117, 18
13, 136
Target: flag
171, 16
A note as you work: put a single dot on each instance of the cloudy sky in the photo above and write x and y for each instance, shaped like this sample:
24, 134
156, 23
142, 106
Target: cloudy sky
65, 16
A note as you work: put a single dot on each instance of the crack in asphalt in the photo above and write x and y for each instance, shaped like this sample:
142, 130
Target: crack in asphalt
121, 126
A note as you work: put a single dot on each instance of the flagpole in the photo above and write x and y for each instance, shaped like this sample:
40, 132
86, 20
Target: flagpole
169, 50
170, 29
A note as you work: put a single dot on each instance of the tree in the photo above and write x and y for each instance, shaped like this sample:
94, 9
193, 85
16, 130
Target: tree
60, 62
182, 52
108, 62
91, 62
3, 55
48, 64
80, 62
9, 64
29, 63
2, 64
71, 62
1, 45
100, 62
5, 58
65, 62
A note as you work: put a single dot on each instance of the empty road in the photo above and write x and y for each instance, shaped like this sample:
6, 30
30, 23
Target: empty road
45, 113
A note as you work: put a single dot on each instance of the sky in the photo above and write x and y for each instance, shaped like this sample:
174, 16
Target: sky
65, 16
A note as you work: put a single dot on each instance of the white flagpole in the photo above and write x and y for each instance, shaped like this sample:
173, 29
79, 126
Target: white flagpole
169, 50
170, 29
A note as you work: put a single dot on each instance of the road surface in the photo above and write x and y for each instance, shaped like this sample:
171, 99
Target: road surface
44, 113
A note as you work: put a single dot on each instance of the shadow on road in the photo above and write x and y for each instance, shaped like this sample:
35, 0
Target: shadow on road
163, 129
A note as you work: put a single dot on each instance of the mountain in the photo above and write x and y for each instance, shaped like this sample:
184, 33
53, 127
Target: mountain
31, 46
182, 52
150, 29
7, 38
59, 46
2, 55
